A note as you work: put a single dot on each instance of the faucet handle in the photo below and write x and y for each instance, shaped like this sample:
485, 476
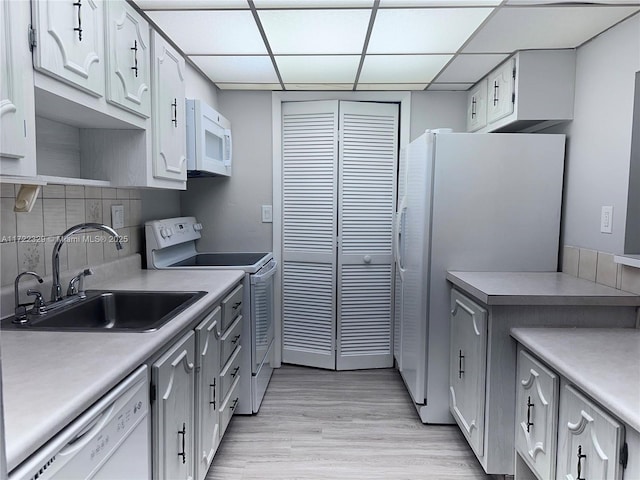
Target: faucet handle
79, 280
38, 304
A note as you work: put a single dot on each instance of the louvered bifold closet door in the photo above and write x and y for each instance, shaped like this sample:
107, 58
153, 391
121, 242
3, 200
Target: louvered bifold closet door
368, 161
309, 217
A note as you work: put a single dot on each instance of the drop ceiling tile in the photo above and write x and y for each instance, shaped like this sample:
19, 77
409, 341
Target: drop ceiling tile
319, 86
470, 68
249, 86
438, 3
402, 68
427, 30
391, 86
240, 69
324, 32
519, 28
318, 69
450, 86
313, 3
547, 2
190, 4
211, 32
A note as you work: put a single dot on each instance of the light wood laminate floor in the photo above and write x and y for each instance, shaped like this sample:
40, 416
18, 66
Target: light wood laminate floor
325, 425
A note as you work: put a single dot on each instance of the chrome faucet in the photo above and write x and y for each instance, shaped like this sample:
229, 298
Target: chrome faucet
21, 308
56, 288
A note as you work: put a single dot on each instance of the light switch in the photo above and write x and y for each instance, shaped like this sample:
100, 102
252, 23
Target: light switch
117, 216
267, 214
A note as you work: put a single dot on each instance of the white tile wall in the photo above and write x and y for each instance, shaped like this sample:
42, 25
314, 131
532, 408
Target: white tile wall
588, 264
57, 208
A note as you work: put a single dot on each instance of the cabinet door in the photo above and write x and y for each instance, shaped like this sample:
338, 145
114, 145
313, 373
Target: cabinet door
207, 392
501, 90
468, 359
128, 58
169, 134
173, 377
536, 415
70, 42
588, 440
477, 107
17, 111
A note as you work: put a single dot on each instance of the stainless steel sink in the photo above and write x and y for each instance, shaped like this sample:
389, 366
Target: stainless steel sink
112, 311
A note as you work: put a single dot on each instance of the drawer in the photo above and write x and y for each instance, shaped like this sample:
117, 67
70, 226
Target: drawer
229, 373
231, 339
536, 415
231, 307
229, 406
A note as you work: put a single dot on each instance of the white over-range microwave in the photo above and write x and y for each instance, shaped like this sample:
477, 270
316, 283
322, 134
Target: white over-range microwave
208, 141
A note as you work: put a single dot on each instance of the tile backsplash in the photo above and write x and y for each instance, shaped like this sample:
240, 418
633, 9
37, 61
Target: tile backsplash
599, 267
27, 239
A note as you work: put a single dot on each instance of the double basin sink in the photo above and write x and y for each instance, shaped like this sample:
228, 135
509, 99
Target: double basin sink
112, 311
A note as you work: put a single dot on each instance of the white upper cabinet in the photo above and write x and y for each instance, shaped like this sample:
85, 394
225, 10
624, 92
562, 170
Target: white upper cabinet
501, 84
70, 42
477, 107
17, 113
128, 58
169, 134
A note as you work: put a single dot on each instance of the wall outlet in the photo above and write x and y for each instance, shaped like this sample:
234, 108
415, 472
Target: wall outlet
117, 216
267, 214
606, 220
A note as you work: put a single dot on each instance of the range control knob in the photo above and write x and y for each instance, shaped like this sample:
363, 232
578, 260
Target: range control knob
163, 232
169, 232
198, 227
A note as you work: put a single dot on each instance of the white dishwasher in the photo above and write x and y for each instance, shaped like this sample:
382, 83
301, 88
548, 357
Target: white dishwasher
109, 441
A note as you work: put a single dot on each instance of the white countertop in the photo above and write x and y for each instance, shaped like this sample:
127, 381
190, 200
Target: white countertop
49, 378
604, 363
538, 288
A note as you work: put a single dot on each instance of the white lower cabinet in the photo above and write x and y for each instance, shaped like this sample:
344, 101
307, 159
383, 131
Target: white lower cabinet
467, 367
537, 415
173, 377
207, 391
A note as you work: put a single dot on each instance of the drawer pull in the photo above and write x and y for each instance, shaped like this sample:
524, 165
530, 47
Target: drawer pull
235, 372
236, 305
460, 360
213, 401
580, 457
235, 404
235, 339
183, 432
529, 406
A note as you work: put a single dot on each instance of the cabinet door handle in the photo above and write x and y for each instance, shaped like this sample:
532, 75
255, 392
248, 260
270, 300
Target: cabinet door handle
183, 432
235, 339
473, 107
135, 57
174, 107
213, 401
235, 404
460, 359
79, 27
580, 457
495, 93
529, 406
235, 372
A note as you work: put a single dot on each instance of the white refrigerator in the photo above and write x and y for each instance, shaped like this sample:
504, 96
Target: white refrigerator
466, 201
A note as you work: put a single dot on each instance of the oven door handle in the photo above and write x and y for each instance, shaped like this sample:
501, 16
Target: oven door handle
261, 276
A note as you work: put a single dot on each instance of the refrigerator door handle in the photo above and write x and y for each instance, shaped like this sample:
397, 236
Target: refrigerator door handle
400, 216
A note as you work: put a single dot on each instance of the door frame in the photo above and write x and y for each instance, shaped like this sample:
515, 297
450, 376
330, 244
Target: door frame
277, 98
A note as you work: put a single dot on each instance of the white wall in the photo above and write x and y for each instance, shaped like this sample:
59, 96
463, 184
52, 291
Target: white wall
200, 87
599, 138
230, 208
438, 110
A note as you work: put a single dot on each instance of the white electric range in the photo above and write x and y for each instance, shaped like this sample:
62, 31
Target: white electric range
171, 244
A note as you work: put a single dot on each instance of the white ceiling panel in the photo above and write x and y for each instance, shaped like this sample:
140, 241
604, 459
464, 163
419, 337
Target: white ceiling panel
391, 86
190, 4
318, 69
315, 31
313, 3
470, 68
599, 2
319, 86
450, 86
243, 69
439, 3
402, 68
249, 86
211, 32
519, 28
431, 30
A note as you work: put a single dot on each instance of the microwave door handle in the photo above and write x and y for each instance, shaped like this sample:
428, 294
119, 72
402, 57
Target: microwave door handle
262, 277
228, 147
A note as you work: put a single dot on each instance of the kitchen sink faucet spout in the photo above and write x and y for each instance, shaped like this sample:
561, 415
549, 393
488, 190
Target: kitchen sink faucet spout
56, 288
